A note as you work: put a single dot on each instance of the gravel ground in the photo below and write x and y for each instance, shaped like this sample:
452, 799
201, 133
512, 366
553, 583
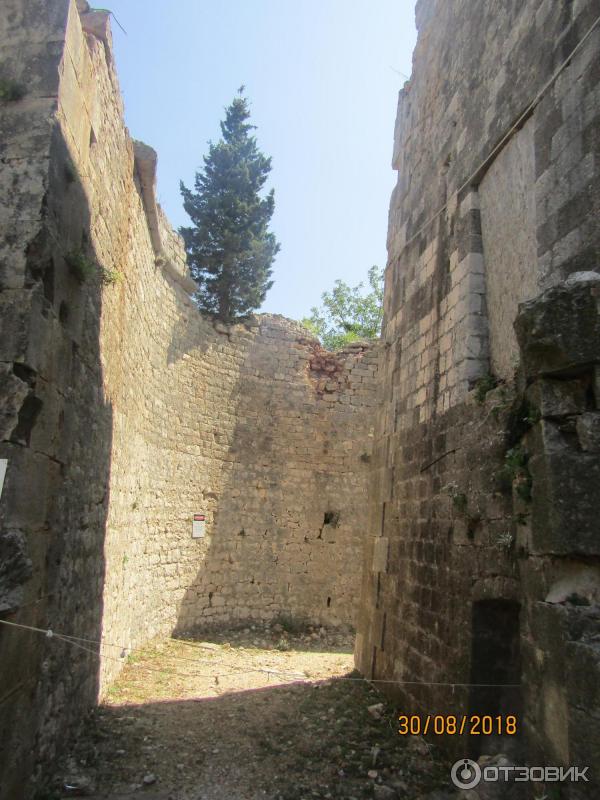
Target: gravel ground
261, 712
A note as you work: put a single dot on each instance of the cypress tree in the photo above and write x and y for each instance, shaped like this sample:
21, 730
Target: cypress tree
229, 247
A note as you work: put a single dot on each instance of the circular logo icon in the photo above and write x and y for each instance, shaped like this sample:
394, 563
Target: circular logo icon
465, 773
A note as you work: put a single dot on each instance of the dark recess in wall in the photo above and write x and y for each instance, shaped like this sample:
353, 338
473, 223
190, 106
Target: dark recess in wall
495, 659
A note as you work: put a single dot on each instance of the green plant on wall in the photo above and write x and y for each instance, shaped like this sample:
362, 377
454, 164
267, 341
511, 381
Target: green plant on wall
459, 499
460, 502
505, 541
515, 473
70, 170
484, 385
532, 415
84, 269
108, 277
522, 417
11, 90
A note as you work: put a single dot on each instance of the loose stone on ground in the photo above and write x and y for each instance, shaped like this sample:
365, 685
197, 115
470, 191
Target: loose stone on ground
254, 713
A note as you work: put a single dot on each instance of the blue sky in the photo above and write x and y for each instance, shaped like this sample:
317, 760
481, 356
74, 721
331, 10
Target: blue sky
322, 77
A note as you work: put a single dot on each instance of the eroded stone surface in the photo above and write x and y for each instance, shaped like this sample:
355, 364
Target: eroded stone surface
124, 412
485, 473
559, 333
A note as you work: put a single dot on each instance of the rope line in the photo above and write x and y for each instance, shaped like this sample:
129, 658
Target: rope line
127, 649
75, 640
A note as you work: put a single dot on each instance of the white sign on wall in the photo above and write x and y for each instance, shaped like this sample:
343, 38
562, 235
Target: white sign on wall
3, 465
199, 526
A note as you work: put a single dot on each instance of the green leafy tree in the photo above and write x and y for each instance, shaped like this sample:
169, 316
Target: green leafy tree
348, 313
229, 247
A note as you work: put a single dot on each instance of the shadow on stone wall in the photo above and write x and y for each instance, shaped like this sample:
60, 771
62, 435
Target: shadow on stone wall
285, 538
57, 437
184, 337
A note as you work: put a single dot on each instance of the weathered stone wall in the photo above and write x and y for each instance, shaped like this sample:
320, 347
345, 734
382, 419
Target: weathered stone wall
56, 422
512, 271
250, 430
124, 412
492, 207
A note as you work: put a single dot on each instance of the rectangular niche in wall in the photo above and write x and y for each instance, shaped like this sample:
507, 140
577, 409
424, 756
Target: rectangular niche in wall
495, 668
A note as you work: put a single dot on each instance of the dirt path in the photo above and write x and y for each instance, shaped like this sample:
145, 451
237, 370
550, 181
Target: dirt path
244, 715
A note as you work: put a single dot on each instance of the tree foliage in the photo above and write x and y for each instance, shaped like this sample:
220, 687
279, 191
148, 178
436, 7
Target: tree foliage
348, 313
229, 247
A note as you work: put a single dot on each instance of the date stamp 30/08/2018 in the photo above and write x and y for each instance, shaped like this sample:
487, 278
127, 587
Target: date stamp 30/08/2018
457, 725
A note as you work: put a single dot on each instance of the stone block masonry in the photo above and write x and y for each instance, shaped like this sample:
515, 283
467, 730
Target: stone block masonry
123, 412
244, 430
481, 561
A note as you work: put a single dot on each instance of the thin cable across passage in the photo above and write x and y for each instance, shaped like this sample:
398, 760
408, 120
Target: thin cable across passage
77, 640
81, 642
125, 650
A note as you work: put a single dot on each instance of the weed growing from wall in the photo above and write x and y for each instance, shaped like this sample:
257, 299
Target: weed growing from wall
483, 386
84, 269
515, 473
11, 90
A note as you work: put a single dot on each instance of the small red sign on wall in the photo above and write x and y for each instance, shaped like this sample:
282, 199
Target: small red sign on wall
199, 526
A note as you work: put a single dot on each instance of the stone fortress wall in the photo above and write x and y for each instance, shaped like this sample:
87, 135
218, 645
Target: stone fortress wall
124, 412
482, 558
